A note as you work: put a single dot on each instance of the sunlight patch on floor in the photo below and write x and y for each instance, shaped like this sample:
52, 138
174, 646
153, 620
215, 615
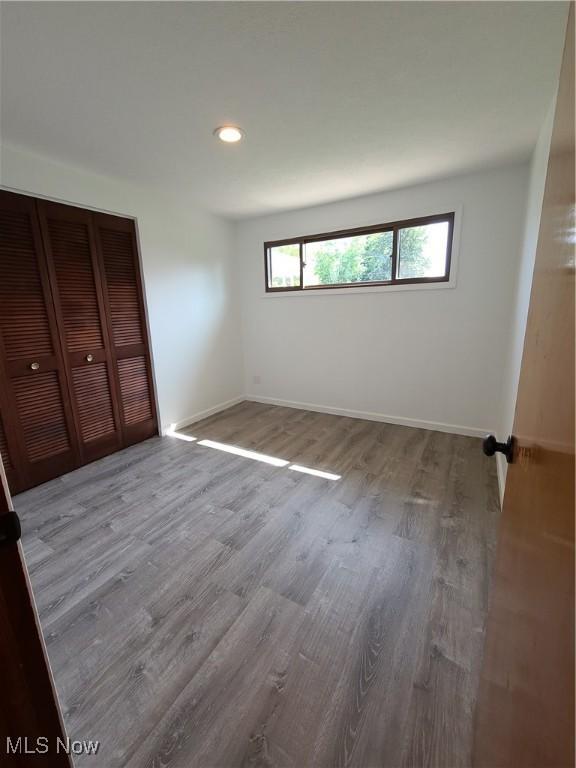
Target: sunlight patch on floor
315, 472
244, 453
172, 432
254, 455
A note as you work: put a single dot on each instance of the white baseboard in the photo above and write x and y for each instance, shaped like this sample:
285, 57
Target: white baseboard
454, 429
203, 414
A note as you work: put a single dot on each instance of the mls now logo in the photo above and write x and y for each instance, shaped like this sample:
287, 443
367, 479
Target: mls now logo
23, 745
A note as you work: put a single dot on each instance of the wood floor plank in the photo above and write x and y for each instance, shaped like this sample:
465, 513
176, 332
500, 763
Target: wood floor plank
224, 687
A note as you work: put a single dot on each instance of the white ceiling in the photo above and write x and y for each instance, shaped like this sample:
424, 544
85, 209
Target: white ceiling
337, 99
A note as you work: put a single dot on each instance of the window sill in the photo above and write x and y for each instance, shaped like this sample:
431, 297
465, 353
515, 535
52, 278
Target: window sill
440, 286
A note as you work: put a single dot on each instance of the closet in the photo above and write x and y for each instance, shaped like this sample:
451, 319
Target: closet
75, 374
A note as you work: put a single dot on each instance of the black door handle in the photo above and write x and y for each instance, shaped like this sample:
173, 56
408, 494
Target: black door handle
490, 446
10, 530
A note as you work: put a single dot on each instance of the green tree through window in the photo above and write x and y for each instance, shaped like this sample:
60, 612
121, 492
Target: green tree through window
413, 261
334, 264
367, 258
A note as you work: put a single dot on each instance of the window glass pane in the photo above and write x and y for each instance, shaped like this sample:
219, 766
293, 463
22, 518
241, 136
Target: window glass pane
358, 259
423, 250
284, 266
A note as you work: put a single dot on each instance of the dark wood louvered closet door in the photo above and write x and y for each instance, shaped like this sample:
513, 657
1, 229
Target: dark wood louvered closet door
75, 374
76, 286
116, 238
37, 434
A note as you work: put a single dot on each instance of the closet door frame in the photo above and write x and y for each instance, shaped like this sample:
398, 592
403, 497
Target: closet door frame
134, 433
30, 473
72, 359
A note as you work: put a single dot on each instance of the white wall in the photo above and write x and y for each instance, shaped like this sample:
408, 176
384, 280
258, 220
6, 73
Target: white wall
429, 357
193, 305
535, 195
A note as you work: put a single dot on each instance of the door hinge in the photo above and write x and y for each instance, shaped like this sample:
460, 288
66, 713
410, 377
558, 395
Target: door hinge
10, 529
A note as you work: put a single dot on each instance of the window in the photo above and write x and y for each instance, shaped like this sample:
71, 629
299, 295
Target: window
411, 251
284, 270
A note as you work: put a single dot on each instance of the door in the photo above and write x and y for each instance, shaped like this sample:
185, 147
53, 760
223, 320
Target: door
37, 434
28, 704
525, 713
116, 239
80, 314
75, 369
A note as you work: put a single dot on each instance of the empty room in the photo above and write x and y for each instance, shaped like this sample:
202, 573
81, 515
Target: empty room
287, 384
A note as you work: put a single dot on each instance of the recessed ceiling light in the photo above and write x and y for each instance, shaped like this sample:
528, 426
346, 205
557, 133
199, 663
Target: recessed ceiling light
229, 133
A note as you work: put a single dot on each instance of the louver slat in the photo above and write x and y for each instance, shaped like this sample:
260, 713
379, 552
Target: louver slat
72, 261
121, 278
24, 322
41, 414
134, 389
92, 394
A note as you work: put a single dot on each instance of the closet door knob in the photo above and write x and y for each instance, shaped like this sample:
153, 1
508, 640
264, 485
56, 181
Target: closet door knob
34, 366
89, 358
